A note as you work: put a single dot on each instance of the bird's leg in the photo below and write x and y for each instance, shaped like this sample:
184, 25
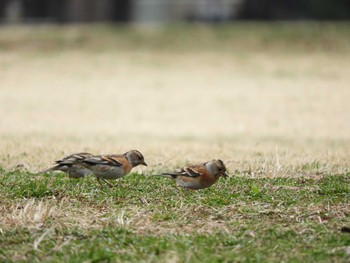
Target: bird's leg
99, 181
108, 183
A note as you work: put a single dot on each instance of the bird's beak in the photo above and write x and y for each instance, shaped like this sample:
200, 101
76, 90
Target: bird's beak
144, 163
225, 175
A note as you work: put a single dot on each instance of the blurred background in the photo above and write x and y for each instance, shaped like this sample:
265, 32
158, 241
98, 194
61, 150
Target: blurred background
161, 11
264, 85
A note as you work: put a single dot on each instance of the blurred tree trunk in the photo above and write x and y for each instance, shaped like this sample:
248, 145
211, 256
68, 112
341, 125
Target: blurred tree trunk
89, 10
13, 11
76, 10
122, 10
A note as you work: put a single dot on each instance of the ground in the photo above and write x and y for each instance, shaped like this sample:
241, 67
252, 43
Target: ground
271, 100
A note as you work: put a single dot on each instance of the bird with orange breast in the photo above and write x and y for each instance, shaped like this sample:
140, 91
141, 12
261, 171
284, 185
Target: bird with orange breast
104, 167
113, 166
198, 176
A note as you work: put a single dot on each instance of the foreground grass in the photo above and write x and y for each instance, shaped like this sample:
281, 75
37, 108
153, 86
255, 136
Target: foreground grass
148, 219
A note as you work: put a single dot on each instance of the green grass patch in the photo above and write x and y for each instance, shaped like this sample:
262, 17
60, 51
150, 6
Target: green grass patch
271, 244
149, 219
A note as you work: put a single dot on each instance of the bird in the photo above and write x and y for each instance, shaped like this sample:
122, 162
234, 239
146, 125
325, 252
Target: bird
72, 165
198, 176
113, 166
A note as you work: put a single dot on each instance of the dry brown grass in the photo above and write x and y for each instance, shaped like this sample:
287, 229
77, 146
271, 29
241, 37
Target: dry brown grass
192, 218
265, 110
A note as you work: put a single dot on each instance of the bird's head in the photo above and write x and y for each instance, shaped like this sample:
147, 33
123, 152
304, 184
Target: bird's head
217, 168
135, 158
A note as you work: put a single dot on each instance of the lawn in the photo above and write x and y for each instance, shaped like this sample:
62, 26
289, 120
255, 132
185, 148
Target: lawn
149, 219
271, 100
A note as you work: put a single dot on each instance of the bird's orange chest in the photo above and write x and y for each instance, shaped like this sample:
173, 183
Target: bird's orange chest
207, 179
126, 164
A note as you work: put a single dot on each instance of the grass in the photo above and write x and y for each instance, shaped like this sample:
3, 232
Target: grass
52, 218
238, 37
270, 99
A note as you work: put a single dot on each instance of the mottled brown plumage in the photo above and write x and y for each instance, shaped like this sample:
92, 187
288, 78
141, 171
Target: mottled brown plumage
113, 166
198, 176
72, 165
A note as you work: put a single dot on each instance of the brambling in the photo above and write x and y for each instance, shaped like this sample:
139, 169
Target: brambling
198, 176
72, 165
113, 166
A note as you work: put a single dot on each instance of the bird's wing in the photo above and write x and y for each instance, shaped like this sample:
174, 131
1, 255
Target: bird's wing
195, 170
104, 159
73, 158
188, 171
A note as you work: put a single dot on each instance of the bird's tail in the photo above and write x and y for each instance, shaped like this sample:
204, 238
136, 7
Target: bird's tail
53, 168
167, 175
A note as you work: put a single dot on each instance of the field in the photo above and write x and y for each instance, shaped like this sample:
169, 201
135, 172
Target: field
271, 100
